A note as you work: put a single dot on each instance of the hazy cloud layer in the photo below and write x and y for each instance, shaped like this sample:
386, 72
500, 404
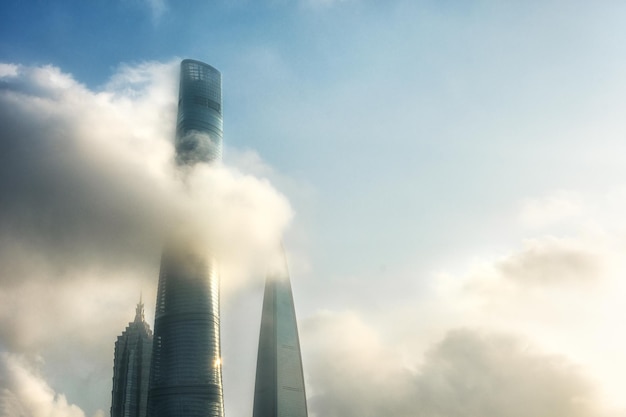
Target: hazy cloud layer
81, 184
543, 262
516, 335
546, 262
471, 373
88, 179
468, 373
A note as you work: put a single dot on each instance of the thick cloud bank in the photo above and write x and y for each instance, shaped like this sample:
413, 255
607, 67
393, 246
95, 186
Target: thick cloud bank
468, 373
88, 190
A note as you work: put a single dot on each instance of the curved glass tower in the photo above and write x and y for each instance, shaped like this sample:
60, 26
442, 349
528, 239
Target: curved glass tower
186, 370
199, 122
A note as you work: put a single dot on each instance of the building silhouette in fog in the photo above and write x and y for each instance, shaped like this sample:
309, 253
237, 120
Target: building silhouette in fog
186, 371
279, 387
178, 373
131, 368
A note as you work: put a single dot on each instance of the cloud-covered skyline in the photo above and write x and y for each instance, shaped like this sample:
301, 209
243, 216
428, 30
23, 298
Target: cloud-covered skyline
448, 180
89, 189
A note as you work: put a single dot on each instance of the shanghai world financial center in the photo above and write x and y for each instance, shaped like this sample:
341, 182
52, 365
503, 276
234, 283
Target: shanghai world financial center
184, 378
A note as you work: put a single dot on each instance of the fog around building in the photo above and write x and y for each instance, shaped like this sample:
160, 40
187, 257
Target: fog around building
447, 179
90, 188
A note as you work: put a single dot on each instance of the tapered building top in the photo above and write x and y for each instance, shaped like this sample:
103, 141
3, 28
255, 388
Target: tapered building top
279, 388
139, 315
131, 368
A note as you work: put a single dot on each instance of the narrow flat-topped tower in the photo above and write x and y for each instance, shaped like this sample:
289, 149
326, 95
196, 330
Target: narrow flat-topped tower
186, 370
279, 388
199, 125
131, 367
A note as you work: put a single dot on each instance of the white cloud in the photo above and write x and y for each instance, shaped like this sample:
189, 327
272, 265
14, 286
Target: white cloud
8, 70
471, 373
354, 371
541, 337
550, 260
24, 393
564, 294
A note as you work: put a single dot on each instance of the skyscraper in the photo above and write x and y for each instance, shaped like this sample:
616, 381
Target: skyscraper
279, 388
131, 367
186, 370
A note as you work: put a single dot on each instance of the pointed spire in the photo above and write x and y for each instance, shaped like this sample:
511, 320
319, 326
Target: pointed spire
139, 316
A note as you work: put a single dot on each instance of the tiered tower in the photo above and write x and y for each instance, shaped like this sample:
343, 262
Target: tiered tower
186, 371
131, 368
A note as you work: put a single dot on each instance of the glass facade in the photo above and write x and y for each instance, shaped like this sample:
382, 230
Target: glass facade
199, 123
186, 370
131, 368
279, 388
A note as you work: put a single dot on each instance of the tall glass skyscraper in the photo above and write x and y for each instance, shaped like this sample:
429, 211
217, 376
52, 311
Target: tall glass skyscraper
131, 368
199, 122
279, 388
186, 370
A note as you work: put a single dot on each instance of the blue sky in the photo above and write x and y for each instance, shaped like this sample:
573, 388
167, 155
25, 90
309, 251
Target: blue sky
454, 173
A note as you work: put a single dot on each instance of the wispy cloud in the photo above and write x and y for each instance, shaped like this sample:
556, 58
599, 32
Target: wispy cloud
24, 392
157, 8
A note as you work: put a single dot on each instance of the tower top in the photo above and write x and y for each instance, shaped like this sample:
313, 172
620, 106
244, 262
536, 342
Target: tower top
139, 315
199, 126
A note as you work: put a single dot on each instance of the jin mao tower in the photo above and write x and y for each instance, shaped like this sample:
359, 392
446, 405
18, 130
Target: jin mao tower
131, 367
186, 371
